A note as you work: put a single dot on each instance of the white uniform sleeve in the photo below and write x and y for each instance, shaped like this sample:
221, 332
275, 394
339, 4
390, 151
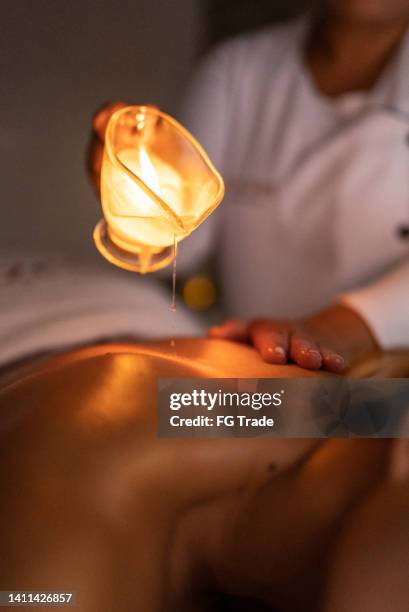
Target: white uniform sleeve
384, 305
204, 114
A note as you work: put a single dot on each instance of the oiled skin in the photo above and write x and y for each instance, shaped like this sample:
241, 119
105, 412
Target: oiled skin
93, 501
276, 540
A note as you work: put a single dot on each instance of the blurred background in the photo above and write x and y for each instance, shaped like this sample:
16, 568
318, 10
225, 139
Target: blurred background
60, 61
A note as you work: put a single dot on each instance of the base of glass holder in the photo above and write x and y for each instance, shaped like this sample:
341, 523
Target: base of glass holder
146, 260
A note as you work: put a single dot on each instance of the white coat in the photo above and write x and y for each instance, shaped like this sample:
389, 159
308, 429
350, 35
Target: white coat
317, 190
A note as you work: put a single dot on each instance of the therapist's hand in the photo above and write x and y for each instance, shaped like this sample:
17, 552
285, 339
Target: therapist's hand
96, 142
330, 340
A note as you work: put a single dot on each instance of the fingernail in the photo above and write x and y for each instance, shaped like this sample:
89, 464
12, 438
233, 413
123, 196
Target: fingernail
277, 354
310, 358
339, 362
309, 352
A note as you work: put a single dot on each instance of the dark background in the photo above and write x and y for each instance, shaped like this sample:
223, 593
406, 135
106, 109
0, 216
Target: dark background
223, 18
59, 61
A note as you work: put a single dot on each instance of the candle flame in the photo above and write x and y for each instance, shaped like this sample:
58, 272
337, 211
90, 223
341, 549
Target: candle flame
148, 172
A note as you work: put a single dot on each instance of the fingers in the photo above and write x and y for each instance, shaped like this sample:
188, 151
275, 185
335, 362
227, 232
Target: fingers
94, 157
278, 344
103, 115
305, 352
95, 148
308, 354
271, 340
333, 361
236, 331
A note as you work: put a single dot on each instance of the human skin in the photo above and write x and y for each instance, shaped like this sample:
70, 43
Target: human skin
94, 502
274, 541
96, 142
92, 499
331, 340
369, 13
369, 568
165, 538
329, 533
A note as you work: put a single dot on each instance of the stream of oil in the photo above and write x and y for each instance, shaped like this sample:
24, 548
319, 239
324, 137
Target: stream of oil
173, 303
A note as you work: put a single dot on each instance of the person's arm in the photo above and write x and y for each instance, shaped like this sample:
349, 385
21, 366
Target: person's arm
372, 317
331, 339
384, 306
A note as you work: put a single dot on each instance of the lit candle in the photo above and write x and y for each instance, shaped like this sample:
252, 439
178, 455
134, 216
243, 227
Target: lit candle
157, 186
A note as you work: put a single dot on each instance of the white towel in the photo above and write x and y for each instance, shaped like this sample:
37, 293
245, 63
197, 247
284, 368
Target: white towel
51, 304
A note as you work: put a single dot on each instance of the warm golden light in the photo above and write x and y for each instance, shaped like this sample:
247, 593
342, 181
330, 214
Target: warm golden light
157, 186
148, 173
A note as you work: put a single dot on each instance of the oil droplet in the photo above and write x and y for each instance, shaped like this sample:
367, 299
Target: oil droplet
173, 303
175, 252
